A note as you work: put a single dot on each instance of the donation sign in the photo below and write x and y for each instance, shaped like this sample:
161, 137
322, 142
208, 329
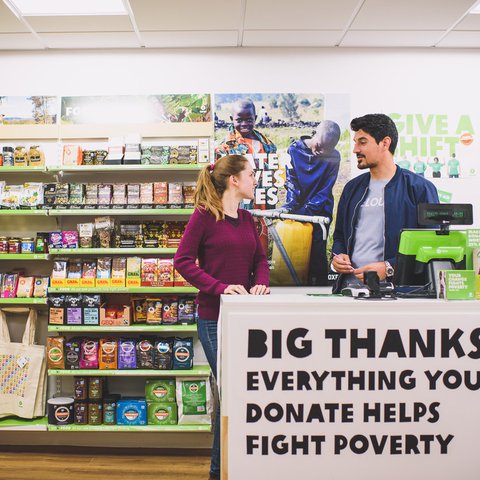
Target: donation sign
333, 388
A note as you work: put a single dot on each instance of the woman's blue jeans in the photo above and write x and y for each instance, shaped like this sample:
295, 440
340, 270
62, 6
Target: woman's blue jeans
207, 334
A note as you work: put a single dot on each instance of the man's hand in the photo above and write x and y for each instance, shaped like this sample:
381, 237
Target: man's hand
341, 263
379, 267
260, 290
235, 290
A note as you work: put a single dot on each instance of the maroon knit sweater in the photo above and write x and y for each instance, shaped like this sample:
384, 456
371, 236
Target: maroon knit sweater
228, 252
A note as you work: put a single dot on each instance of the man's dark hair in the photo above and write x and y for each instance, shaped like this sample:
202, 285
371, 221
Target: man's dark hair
378, 126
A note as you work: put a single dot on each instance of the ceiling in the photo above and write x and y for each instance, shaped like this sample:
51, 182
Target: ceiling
252, 23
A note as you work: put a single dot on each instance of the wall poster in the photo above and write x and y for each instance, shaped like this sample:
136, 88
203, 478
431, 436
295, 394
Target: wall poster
299, 145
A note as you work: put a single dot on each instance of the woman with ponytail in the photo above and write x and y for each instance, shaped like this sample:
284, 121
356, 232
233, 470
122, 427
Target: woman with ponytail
231, 260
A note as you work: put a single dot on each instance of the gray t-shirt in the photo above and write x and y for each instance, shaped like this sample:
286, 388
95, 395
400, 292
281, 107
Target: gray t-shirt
370, 230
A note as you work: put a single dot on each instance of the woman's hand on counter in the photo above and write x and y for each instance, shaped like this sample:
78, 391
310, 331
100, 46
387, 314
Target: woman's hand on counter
260, 290
235, 290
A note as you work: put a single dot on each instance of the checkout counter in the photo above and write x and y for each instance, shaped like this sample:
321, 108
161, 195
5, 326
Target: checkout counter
336, 388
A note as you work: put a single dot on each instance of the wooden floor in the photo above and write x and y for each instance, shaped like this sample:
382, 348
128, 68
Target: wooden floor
48, 466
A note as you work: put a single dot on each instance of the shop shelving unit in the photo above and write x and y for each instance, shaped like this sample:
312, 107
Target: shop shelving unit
61, 133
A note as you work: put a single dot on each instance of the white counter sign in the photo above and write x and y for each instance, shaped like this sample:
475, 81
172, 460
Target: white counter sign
338, 389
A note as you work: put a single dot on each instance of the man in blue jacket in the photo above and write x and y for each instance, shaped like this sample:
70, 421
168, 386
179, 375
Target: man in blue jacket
376, 206
315, 163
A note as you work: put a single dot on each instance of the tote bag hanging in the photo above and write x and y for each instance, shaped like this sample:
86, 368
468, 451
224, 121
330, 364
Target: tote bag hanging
22, 370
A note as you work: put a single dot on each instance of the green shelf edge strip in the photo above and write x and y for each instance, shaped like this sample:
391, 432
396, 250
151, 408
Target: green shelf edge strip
130, 328
130, 428
121, 211
22, 422
42, 169
126, 168
111, 251
23, 301
23, 256
122, 289
100, 211
196, 371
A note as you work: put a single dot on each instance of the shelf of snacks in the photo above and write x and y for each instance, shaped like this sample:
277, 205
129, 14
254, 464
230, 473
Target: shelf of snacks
112, 251
23, 301
27, 424
129, 428
24, 256
121, 211
127, 328
143, 290
195, 371
123, 168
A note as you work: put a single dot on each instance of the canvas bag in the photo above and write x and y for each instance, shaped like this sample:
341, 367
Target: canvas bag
22, 370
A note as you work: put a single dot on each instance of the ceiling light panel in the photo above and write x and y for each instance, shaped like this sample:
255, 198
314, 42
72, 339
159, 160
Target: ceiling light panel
68, 7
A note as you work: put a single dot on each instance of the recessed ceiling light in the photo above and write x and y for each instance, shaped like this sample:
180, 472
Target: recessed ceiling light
35, 8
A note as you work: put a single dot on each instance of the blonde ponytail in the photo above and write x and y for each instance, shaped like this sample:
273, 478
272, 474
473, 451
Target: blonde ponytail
213, 181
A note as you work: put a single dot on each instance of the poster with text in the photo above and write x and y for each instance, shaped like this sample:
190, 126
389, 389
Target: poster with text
136, 109
299, 146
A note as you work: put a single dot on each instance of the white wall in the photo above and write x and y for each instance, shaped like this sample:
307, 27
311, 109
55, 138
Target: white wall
426, 81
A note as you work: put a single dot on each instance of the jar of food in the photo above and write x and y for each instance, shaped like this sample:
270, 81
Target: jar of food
95, 416
27, 245
80, 412
80, 388
95, 388
7, 156
14, 245
3, 245
110, 409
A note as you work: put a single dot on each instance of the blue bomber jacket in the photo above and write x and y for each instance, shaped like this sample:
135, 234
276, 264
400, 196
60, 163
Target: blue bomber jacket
402, 195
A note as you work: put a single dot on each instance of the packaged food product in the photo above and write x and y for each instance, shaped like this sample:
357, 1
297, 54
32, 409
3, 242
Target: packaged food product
165, 272
162, 413
20, 156
36, 157
9, 285
27, 245
127, 358
186, 311
182, 353
80, 388
55, 240
149, 272
55, 352
85, 233
145, 354
91, 308
175, 193
62, 194
25, 287
163, 354
154, 311
72, 354
104, 267
95, 412
193, 400
170, 311
70, 239
56, 311
72, 155
89, 269
139, 307
40, 287
89, 353
160, 193
110, 409
131, 412
74, 268
77, 194
95, 388
59, 269
73, 308
160, 390
32, 195
107, 354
